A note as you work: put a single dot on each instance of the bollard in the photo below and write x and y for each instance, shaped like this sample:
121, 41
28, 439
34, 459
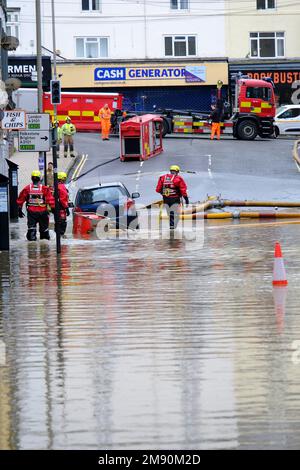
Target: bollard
13, 189
4, 220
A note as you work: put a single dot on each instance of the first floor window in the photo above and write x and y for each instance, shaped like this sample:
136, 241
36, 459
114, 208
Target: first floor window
180, 46
91, 48
179, 4
90, 5
267, 45
12, 24
265, 4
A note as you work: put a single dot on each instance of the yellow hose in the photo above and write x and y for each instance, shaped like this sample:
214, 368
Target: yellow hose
271, 215
200, 207
202, 215
225, 202
237, 215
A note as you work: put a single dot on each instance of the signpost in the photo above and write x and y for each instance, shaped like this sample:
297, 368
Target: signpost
34, 141
39, 122
37, 138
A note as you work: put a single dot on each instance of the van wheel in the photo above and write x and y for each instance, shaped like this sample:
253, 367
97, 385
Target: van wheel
247, 130
276, 132
165, 127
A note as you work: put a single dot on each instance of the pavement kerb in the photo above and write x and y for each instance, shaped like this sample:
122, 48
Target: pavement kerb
71, 168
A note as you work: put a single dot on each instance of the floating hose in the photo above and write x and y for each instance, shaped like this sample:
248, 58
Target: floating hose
237, 215
227, 203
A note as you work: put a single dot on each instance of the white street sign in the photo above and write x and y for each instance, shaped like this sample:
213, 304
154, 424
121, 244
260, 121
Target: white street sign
38, 122
34, 141
14, 120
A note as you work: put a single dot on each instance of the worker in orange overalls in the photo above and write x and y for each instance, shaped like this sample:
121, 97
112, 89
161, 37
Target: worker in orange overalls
105, 115
37, 198
215, 122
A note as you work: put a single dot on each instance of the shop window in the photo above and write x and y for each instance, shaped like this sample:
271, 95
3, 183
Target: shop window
180, 46
267, 45
259, 93
265, 4
179, 4
12, 24
91, 48
90, 5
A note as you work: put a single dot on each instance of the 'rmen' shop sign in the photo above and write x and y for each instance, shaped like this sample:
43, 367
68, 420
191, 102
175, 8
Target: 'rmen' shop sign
25, 68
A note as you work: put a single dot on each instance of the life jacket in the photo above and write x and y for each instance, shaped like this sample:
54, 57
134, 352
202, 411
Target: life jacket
36, 196
169, 188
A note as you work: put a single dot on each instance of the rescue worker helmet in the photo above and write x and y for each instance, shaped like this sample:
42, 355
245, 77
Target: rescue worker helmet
36, 174
61, 175
174, 168
68, 118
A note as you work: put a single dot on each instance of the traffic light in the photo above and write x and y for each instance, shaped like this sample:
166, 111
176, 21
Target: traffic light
55, 92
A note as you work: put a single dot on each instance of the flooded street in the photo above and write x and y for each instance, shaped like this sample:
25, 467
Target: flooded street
151, 344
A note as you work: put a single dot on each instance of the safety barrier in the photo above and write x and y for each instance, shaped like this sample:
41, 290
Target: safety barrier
141, 137
189, 125
85, 223
296, 154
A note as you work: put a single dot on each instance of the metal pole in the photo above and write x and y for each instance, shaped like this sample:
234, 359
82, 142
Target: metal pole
45, 168
54, 51
42, 155
56, 195
39, 55
54, 140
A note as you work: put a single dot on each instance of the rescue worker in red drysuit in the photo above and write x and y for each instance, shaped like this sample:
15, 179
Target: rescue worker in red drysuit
37, 198
63, 196
172, 187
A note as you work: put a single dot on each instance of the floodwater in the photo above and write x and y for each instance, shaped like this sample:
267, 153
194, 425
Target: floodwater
151, 344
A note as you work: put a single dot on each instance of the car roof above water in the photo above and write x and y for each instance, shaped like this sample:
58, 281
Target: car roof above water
103, 185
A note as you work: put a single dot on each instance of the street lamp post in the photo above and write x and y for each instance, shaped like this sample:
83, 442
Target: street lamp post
39, 76
54, 140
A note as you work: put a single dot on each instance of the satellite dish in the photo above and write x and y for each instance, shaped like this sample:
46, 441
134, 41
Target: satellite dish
12, 84
9, 43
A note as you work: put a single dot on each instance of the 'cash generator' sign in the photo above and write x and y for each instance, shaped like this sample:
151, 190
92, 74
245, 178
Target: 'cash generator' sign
188, 73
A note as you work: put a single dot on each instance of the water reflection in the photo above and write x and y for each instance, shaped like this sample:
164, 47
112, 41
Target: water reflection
149, 344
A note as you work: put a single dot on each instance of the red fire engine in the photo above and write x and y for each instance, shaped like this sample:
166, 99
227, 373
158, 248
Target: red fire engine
250, 113
83, 108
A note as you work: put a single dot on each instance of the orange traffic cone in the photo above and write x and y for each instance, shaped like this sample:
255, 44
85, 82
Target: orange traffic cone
279, 274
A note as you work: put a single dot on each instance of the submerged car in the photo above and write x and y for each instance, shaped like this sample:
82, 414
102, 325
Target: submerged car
111, 200
287, 120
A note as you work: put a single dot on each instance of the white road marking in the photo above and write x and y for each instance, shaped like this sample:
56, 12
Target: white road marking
137, 179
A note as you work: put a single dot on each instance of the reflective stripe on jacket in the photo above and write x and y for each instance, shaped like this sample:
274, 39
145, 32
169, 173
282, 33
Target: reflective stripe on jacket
170, 185
169, 189
105, 113
68, 129
36, 198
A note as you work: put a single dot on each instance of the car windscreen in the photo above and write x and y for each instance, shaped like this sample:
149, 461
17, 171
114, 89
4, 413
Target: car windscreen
94, 195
